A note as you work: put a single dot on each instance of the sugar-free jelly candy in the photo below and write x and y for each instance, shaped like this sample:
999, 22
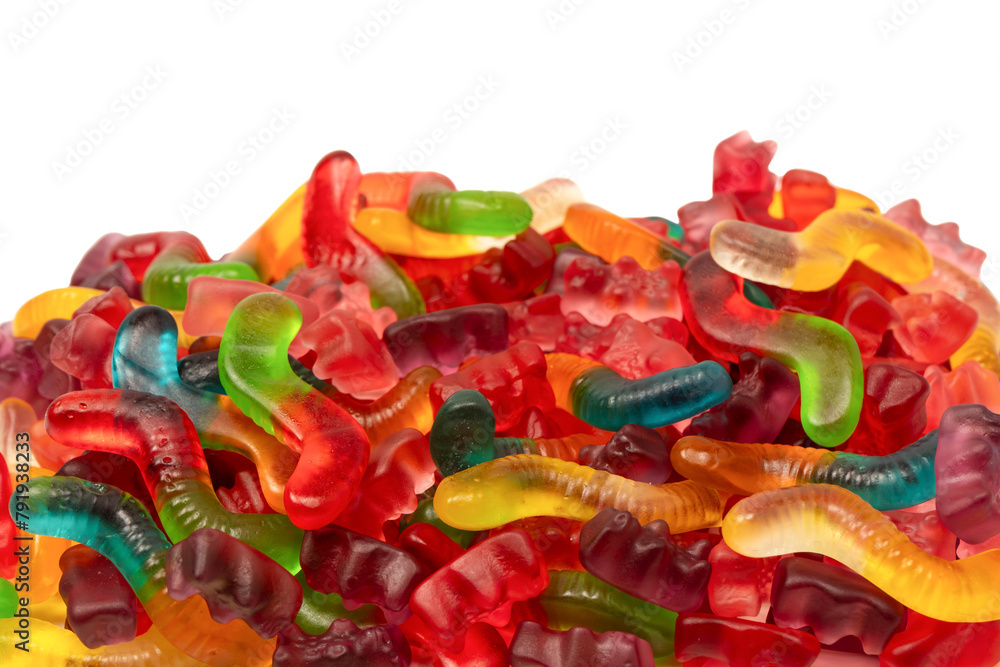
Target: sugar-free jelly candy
599, 291
343, 643
823, 354
360, 568
942, 240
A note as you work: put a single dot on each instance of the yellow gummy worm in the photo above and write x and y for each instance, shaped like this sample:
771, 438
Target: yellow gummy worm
394, 232
497, 492
61, 303
51, 646
835, 522
276, 247
818, 256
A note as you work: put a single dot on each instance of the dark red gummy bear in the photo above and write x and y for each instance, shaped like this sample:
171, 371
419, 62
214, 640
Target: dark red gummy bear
534, 644
835, 603
100, 606
360, 568
757, 409
644, 561
236, 580
635, 452
343, 645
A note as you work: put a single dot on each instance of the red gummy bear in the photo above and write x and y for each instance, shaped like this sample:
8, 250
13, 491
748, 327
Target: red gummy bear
599, 291
893, 412
804, 195
512, 381
933, 326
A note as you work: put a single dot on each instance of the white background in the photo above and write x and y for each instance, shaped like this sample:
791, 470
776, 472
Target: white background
884, 78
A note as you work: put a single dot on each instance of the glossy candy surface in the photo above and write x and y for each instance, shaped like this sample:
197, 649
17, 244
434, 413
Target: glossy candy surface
823, 354
603, 398
409, 424
470, 212
161, 440
550, 487
894, 481
817, 257
836, 523
324, 434
119, 528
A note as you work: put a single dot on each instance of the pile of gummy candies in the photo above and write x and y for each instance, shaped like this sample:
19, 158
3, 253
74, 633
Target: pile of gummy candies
408, 424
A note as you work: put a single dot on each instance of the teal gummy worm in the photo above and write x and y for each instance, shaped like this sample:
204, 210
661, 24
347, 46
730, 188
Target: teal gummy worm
603, 398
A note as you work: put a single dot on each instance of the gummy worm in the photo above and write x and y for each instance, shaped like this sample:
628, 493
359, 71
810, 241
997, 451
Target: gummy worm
818, 256
118, 526
254, 369
902, 479
603, 398
823, 354
160, 438
407, 405
330, 204
463, 436
394, 232
182, 259
275, 248
834, 522
549, 201
145, 359
611, 237
52, 646
61, 303
543, 486
486, 213
579, 598
396, 189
